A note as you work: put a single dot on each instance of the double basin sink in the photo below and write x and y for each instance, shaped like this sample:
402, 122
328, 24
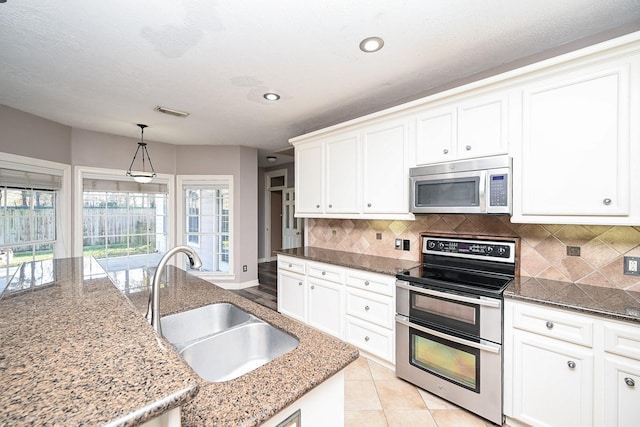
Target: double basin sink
222, 342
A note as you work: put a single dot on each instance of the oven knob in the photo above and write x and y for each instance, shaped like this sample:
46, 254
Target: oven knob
431, 244
441, 245
502, 250
489, 249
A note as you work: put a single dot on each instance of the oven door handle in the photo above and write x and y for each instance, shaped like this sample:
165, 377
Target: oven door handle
495, 348
455, 297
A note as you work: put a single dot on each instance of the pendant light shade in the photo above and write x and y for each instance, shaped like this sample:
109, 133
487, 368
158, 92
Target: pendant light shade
142, 175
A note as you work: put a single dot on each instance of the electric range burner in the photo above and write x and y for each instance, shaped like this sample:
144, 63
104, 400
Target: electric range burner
469, 266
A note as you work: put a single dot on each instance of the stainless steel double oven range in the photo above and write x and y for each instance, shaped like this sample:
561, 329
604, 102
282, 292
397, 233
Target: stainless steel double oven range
449, 320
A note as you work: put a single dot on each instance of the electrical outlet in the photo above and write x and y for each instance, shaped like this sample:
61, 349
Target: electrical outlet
378, 236
632, 266
398, 244
244, 268
573, 250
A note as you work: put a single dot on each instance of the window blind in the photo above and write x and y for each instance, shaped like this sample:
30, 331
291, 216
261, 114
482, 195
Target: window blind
30, 179
95, 184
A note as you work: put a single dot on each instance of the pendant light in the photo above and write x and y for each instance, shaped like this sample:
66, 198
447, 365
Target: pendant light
142, 176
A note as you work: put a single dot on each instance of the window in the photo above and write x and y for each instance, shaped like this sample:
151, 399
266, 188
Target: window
30, 214
124, 227
206, 225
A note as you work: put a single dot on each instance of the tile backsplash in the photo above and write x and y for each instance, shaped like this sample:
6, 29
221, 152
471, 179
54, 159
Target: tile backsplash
543, 246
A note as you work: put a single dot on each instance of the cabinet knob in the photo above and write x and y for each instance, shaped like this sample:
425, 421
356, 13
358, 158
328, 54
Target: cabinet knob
368, 205
324, 273
630, 382
330, 206
366, 339
313, 287
468, 148
290, 265
366, 308
445, 151
549, 325
366, 283
571, 364
317, 206
299, 283
607, 201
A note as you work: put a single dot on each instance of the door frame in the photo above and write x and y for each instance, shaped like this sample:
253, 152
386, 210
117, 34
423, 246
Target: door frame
267, 207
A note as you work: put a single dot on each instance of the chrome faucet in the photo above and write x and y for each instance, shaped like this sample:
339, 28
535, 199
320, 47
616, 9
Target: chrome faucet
153, 308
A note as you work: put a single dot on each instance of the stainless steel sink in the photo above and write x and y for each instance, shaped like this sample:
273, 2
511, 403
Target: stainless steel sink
222, 342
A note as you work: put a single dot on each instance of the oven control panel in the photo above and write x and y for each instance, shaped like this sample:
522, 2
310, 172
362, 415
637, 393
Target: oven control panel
478, 249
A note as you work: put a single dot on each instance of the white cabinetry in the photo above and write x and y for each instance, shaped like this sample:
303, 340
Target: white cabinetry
360, 172
569, 369
362, 312
474, 126
578, 144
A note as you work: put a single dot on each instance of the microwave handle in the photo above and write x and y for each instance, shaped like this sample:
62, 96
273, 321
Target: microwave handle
485, 347
454, 297
483, 190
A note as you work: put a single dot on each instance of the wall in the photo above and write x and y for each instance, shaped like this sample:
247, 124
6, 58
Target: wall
31, 136
543, 247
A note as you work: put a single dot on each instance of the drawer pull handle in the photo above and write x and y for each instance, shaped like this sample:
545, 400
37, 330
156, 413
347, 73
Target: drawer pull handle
549, 325
630, 382
366, 339
366, 283
324, 273
313, 287
366, 308
571, 364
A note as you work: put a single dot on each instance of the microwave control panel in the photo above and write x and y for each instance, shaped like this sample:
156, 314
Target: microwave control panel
499, 190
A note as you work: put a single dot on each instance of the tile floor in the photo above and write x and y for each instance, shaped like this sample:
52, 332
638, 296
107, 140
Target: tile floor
375, 397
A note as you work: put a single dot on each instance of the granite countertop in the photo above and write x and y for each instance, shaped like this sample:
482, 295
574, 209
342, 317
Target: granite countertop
254, 397
376, 264
608, 302
74, 351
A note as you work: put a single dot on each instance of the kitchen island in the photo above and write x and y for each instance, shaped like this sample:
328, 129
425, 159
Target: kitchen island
82, 316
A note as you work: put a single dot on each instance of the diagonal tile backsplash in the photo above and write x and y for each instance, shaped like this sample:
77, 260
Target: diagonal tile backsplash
543, 246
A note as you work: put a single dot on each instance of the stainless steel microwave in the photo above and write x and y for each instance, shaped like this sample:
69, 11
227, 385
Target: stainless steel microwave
474, 186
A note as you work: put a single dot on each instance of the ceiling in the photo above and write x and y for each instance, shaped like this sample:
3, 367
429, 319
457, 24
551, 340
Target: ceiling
105, 66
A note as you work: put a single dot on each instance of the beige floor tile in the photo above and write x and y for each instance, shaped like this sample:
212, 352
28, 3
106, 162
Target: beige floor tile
456, 418
358, 370
364, 419
409, 418
379, 372
434, 402
398, 394
360, 396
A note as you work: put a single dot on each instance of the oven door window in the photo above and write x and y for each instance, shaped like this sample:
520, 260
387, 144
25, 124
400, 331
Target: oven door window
457, 363
448, 192
455, 315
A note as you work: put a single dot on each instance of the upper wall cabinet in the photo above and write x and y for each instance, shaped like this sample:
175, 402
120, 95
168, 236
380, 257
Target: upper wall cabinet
475, 126
579, 146
360, 172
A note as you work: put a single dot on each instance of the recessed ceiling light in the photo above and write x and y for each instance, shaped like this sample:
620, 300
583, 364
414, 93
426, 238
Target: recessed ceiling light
271, 96
371, 44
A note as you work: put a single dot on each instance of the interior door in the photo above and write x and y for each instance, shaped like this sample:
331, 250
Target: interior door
291, 226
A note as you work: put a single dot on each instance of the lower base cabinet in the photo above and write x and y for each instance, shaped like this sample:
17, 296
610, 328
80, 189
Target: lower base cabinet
565, 368
354, 305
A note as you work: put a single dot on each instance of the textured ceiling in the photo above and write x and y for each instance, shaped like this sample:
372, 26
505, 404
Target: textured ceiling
104, 66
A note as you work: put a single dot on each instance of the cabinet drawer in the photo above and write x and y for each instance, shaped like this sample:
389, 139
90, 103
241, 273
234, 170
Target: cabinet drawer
325, 272
553, 323
370, 338
622, 339
371, 307
379, 283
291, 264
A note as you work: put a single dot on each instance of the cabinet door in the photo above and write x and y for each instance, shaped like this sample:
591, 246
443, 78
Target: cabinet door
326, 306
291, 294
575, 153
436, 135
621, 391
343, 174
309, 178
552, 382
385, 175
483, 126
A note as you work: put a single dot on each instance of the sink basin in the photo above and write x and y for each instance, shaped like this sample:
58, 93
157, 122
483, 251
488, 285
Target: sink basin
222, 342
235, 352
181, 329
